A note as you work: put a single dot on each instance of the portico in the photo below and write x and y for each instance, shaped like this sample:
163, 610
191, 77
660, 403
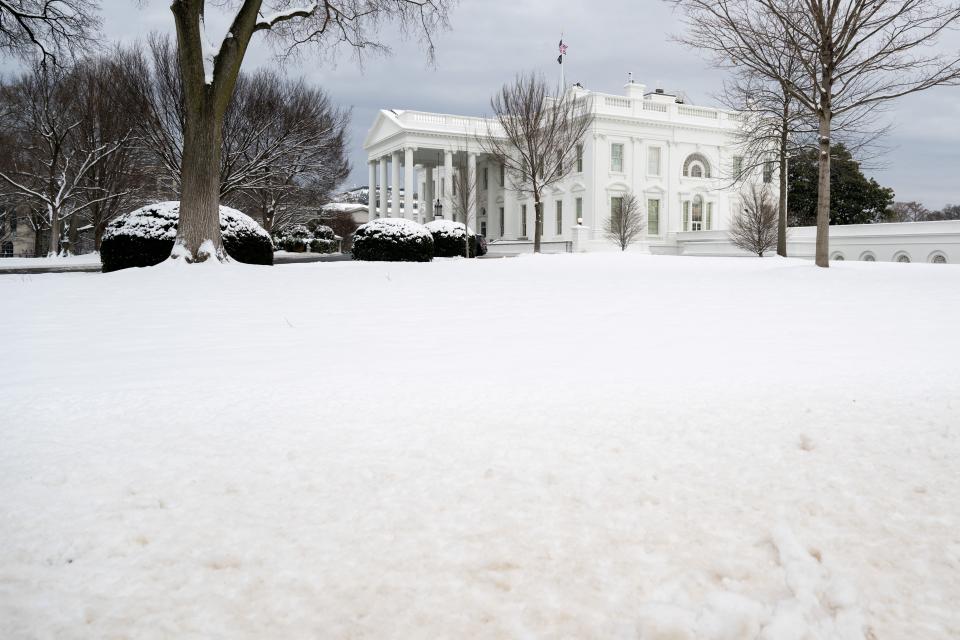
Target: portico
416, 159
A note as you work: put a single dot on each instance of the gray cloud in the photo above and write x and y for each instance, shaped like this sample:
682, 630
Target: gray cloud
490, 41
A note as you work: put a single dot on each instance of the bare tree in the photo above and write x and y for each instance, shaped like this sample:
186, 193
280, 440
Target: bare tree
466, 192
54, 29
754, 226
209, 73
853, 54
51, 161
535, 137
625, 223
908, 212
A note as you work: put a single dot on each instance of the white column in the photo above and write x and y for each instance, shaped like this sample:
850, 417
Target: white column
475, 186
408, 173
395, 186
447, 195
429, 196
383, 187
372, 190
511, 211
493, 211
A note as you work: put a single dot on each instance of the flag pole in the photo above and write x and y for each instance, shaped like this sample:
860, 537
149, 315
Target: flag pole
563, 82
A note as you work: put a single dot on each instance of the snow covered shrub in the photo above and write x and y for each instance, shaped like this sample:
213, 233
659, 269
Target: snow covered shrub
324, 245
295, 238
448, 238
145, 237
393, 239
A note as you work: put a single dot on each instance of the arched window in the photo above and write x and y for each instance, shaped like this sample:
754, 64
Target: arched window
866, 256
901, 256
696, 166
6, 250
837, 257
938, 258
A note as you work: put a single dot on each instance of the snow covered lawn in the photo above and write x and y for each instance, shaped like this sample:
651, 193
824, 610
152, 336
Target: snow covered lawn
589, 446
84, 260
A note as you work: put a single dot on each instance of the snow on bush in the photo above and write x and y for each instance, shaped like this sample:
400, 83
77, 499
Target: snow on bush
145, 237
393, 239
319, 238
448, 238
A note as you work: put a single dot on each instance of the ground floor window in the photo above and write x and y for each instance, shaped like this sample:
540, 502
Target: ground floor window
616, 206
523, 220
579, 210
501, 222
559, 217
653, 217
483, 228
696, 214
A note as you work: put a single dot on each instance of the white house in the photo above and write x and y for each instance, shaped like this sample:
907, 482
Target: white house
677, 158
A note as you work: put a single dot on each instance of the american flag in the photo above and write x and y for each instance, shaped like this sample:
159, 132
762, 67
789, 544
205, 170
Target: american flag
563, 48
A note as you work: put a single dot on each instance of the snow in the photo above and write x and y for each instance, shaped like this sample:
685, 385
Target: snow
81, 260
393, 227
447, 228
159, 220
571, 446
271, 19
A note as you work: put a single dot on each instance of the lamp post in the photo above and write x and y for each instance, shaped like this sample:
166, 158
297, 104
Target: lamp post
437, 210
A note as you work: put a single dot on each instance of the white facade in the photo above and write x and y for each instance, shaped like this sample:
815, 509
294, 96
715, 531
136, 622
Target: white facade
676, 158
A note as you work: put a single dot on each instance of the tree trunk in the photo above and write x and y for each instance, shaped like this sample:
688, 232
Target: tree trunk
537, 224
782, 210
54, 248
73, 234
823, 191
98, 235
198, 232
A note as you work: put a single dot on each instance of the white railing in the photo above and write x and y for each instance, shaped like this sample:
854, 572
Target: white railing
616, 101
650, 105
698, 112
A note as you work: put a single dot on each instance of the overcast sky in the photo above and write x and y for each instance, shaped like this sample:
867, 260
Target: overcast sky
491, 40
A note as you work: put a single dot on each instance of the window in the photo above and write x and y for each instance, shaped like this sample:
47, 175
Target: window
579, 210
902, 256
737, 167
483, 228
653, 161
453, 183
696, 166
653, 217
502, 172
938, 258
696, 214
523, 220
616, 157
486, 183
837, 257
559, 217
768, 171
501, 222
616, 206
579, 158
868, 257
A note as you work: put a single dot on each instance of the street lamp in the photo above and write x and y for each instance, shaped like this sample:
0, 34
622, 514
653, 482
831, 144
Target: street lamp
437, 210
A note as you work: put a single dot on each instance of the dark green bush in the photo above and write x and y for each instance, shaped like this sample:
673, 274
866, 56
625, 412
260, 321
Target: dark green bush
448, 238
394, 240
145, 237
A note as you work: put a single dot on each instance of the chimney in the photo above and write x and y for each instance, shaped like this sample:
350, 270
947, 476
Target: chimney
633, 89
